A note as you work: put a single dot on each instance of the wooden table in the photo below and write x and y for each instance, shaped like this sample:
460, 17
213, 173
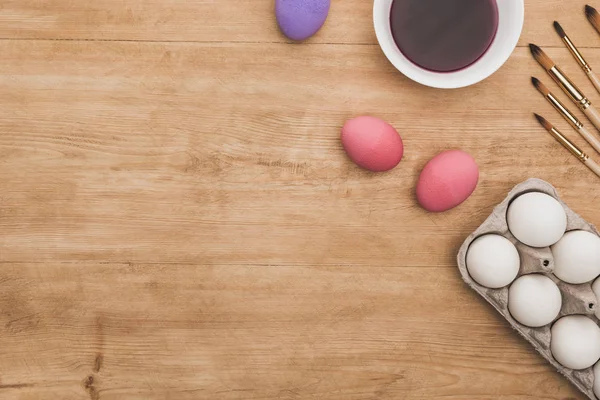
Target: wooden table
178, 219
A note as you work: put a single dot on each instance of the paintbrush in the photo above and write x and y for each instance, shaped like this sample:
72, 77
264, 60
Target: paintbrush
567, 114
575, 52
576, 151
593, 16
566, 85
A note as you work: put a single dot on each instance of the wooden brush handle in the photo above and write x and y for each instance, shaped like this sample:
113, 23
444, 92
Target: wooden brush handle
594, 80
593, 116
591, 164
591, 139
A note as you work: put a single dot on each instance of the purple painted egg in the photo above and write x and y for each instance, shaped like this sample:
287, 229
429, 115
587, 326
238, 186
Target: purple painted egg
300, 19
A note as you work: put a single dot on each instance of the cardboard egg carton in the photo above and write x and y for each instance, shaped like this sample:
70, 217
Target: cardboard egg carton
576, 299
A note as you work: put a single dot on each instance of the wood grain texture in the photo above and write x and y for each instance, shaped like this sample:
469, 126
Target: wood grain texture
174, 153
178, 219
350, 21
265, 332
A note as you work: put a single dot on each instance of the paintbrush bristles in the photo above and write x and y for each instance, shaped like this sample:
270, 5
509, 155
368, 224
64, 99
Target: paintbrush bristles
593, 16
547, 125
540, 86
559, 29
541, 57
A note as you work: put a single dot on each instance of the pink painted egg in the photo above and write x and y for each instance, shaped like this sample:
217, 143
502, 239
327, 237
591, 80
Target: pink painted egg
447, 181
372, 143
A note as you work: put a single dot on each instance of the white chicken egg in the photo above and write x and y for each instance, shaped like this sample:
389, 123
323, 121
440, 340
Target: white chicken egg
577, 257
493, 261
536, 219
534, 300
575, 342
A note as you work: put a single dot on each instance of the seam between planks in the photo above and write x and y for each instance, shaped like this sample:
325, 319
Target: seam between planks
253, 265
222, 42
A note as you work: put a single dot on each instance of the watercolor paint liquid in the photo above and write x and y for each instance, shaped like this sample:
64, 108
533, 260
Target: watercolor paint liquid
444, 35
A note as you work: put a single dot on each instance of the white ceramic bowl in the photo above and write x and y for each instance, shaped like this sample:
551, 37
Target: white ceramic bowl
511, 15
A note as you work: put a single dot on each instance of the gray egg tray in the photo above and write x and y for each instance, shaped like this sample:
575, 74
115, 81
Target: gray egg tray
576, 299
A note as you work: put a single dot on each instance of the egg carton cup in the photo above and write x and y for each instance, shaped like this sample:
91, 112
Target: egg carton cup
576, 299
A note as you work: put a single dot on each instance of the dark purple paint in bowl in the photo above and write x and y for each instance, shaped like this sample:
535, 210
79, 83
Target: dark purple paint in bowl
444, 35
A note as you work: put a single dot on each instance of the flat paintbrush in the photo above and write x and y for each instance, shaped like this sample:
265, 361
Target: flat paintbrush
577, 54
566, 114
566, 85
576, 151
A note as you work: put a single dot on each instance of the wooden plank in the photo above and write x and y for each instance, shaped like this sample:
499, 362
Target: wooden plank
350, 21
178, 220
203, 153
98, 331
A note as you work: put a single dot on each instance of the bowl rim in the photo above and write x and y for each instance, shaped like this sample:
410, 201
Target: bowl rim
511, 19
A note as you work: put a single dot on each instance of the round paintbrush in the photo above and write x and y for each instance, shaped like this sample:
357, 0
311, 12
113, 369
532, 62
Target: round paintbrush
576, 151
566, 114
577, 54
574, 93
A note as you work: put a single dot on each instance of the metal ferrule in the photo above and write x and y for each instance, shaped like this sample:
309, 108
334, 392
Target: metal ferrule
580, 60
576, 151
569, 87
584, 104
564, 111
